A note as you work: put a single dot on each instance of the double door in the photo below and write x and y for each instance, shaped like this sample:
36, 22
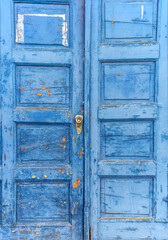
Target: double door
84, 119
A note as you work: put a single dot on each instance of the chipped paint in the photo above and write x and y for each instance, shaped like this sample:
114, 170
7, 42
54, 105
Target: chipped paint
142, 11
20, 26
76, 183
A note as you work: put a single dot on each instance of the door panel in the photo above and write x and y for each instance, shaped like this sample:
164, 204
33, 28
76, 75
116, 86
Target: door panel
129, 120
42, 91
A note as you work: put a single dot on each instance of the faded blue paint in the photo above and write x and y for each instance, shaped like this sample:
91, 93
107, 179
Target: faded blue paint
42, 46
129, 120
125, 104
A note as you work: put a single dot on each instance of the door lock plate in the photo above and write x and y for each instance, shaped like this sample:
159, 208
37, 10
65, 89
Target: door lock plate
79, 122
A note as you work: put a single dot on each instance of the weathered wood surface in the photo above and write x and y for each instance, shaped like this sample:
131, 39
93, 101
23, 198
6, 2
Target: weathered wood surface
41, 182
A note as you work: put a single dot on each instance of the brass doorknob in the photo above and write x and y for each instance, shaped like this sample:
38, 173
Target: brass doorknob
79, 121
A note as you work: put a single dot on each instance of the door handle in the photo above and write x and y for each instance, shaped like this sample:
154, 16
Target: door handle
79, 122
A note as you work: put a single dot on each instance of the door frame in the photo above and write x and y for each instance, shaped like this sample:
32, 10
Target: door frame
87, 143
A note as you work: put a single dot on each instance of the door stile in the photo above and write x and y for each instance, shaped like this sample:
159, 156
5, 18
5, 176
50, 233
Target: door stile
77, 109
95, 152
162, 120
87, 118
7, 115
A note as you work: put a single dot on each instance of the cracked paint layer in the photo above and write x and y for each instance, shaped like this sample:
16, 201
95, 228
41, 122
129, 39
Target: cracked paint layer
20, 26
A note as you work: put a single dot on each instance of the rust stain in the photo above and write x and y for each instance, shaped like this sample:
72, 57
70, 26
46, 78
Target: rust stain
136, 151
42, 88
49, 92
23, 117
33, 176
76, 183
11, 134
29, 82
21, 173
113, 22
67, 115
22, 230
13, 231
63, 139
119, 74
45, 175
39, 94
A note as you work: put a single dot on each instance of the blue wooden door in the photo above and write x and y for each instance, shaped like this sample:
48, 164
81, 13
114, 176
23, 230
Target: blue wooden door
129, 120
41, 180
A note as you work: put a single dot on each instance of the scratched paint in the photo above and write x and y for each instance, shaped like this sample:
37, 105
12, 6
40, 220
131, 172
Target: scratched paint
128, 192
20, 38
40, 161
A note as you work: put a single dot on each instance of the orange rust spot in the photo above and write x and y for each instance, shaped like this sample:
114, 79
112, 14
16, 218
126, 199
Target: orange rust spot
73, 137
91, 145
29, 202
63, 139
82, 111
11, 134
136, 150
42, 88
112, 21
29, 82
13, 231
22, 230
22, 88
79, 162
59, 170
62, 81
67, 173
76, 183
141, 169
49, 92
45, 175
33, 176
23, 117
39, 94
119, 74
67, 115
21, 173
